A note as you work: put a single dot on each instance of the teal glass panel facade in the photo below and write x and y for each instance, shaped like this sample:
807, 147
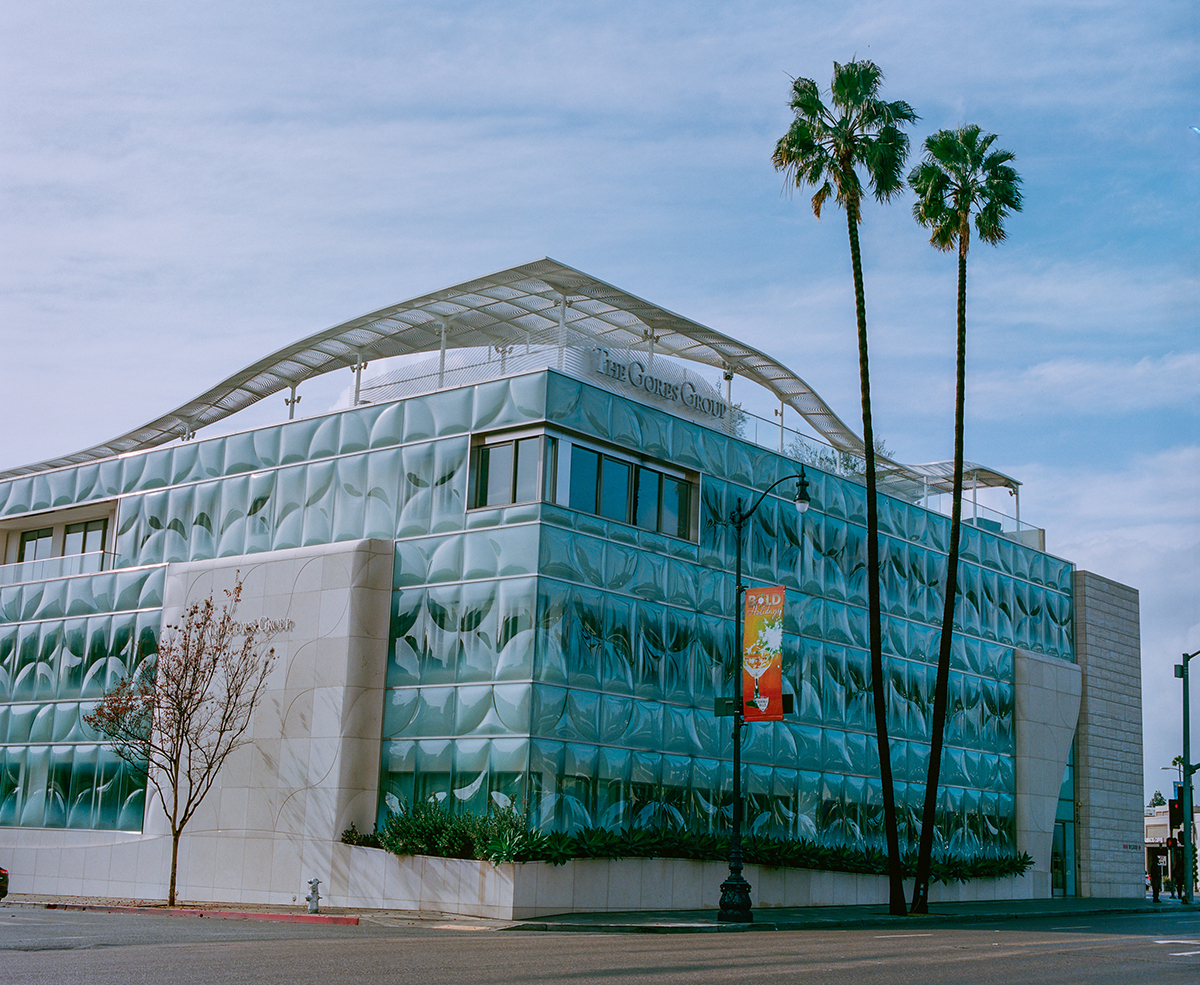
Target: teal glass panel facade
62, 642
545, 655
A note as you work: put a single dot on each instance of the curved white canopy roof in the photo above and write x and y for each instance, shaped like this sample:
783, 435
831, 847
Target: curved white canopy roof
543, 303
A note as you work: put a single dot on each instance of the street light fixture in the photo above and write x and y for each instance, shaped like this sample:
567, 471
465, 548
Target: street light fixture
735, 890
1189, 849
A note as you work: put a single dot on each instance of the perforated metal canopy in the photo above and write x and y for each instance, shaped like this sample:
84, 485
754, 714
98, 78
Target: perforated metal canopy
543, 303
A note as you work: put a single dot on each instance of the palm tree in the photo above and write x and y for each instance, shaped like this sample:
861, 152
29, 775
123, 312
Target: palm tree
825, 147
960, 176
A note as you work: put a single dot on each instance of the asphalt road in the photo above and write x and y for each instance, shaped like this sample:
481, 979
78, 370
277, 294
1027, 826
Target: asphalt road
64, 948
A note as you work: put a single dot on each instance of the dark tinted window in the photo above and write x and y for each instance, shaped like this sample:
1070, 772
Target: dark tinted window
84, 538
614, 489
646, 507
526, 485
506, 472
585, 473
35, 545
620, 490
676, 496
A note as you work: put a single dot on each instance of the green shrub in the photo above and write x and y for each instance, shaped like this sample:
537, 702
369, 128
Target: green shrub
503, 835
352, 836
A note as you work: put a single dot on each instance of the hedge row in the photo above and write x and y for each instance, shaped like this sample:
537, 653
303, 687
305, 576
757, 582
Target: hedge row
502, 835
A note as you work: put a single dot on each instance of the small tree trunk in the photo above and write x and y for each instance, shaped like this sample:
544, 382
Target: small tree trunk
896, 904
175, 833
920, 900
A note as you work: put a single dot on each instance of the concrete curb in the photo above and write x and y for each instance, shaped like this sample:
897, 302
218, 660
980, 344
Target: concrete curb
210, 914
865, 921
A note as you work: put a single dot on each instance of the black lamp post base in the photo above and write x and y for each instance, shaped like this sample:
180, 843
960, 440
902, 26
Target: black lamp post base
735, 901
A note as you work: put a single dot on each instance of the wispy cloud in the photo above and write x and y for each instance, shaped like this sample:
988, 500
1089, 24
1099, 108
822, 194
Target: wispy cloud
1093, 387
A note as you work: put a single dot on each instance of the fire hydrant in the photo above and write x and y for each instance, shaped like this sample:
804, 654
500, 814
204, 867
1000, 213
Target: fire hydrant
313, 898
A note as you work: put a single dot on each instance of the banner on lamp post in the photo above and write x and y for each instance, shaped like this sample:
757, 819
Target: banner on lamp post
762, 655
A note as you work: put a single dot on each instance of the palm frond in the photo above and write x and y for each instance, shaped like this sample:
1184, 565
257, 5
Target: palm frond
821, 197
827, 145
961, 176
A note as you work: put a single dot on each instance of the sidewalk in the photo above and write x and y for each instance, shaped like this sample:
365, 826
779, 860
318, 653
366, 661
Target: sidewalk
641, 922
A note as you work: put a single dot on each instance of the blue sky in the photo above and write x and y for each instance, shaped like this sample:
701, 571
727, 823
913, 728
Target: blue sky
184, 188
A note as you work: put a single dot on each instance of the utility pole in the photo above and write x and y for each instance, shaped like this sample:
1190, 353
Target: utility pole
1189, 848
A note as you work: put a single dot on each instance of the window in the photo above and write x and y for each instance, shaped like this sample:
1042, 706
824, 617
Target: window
619, 490
35, 544
85, 538
506, 472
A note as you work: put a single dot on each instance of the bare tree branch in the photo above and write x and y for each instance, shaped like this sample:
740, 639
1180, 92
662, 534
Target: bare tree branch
178, 719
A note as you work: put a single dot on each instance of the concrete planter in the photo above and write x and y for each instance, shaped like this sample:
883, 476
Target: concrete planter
371, 878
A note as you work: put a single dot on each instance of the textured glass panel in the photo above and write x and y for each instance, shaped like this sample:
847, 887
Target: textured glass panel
399, 710
289, 509
418, 420
515, 601
319, 498
349, 498
81, 787
416, 495
435, 712
577, 787
408, 634
356, 429
51, 600
501, 551
550, 716
266, 446
388, 427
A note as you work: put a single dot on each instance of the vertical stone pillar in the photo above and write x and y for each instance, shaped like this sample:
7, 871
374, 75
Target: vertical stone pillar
311, 766
1108, 750
1046, 697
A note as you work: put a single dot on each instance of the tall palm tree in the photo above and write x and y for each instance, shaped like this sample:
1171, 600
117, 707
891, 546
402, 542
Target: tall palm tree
825, 147
960, 176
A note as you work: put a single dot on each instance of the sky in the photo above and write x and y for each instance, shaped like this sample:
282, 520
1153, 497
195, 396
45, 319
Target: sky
185, 188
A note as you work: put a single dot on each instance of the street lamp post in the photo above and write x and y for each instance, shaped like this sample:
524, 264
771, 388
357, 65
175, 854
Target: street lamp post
735, 890
1189, 849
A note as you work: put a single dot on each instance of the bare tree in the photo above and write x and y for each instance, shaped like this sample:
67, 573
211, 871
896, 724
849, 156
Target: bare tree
177, 719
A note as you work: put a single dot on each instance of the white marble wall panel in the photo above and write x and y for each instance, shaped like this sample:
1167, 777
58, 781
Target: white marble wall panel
311, 768
468, 888
1047, 693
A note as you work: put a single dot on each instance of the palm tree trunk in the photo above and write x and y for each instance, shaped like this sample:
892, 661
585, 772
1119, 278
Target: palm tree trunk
920, 901
896, 904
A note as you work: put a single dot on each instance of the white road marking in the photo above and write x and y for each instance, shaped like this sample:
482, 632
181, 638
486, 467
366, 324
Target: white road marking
1176, 942
888, 937
1184, 954
459, 926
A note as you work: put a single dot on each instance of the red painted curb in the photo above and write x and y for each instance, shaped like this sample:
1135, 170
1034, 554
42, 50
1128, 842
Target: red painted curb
212, 914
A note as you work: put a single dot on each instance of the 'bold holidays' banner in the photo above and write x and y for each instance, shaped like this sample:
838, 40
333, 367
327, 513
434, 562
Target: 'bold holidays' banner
762, 655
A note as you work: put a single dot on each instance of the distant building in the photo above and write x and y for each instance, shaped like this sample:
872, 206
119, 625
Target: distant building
505, 579
1163, 849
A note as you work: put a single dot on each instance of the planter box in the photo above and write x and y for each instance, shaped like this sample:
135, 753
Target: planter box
371, 878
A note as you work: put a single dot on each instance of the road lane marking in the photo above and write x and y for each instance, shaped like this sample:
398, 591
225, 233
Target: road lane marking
459, 926
1184, 954
1176, 942
888, 937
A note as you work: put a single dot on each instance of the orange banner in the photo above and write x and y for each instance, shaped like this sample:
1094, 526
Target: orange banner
762, 655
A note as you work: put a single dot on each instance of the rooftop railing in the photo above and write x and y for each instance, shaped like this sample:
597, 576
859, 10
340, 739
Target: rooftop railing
812, 450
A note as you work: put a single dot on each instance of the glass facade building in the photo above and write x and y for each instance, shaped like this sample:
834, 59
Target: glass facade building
562, 613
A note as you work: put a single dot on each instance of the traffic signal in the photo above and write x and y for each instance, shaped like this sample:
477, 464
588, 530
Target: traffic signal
1174, 814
